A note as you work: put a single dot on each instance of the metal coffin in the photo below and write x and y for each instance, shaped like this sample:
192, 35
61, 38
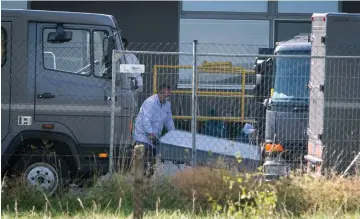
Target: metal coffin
176, 145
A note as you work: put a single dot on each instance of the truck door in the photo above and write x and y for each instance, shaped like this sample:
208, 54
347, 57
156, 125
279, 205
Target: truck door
5, 77
69, 89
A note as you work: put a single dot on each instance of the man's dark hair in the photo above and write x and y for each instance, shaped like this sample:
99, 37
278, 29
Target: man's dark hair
125, 42
164, 86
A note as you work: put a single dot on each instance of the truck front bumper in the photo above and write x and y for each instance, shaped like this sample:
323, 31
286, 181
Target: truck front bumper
274, 168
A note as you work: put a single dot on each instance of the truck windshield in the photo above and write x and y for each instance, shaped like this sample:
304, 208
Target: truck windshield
292, 76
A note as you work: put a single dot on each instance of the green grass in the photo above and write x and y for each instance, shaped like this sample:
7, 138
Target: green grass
199, 193
153, 215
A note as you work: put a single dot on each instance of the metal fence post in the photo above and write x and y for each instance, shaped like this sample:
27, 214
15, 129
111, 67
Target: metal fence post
138, 171
112, 122
194, 105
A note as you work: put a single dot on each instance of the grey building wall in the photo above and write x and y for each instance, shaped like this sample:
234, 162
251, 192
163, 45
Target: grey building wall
140, 21
15, 4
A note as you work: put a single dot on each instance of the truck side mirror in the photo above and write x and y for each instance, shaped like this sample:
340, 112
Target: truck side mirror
258, 79
59, 36
263, 67
263, 70
108, 46
260, 68
257, 70
267, 65
266, 103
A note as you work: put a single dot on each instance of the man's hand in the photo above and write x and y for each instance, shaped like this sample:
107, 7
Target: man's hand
153, 138
139, 89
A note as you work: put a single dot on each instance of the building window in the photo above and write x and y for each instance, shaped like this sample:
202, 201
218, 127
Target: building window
285, 30
3, 46
307, 6
70, 57
225, 37
222, 6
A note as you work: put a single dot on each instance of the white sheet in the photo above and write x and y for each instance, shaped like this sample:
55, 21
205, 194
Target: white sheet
208, 143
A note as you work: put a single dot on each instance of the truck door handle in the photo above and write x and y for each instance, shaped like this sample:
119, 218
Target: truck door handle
46, 95
108, 98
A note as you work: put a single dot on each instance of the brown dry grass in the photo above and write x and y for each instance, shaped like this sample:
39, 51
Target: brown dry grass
200, 183
308, 195
296, 195
213, 188
196, 190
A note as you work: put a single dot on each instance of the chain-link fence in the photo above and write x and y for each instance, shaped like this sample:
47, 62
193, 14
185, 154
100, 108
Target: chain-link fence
291, 110
224, 101
227, 101
334, 127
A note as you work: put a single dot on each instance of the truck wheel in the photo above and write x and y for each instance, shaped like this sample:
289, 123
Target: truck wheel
43, 174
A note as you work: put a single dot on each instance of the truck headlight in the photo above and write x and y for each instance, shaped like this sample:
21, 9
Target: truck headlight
276, 169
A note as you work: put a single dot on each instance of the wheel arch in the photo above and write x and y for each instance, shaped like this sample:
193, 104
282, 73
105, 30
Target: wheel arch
20, 138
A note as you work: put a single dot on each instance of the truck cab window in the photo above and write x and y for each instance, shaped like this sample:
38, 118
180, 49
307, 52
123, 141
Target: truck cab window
71, 57
98, 45
3, 46
292, 76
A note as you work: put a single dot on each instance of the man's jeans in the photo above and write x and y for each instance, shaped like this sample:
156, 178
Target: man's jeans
149, 157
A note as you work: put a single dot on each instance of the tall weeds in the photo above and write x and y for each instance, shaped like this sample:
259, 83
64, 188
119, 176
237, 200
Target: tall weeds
200, 191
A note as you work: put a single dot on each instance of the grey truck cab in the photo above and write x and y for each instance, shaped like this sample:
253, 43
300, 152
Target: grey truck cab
286, 111
56, 94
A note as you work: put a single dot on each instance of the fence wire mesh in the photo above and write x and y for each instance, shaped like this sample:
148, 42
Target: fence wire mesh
223, 106
66, 89
334, 127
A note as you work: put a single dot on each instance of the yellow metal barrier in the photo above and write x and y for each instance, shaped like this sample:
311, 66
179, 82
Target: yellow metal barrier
215, 68
206, 118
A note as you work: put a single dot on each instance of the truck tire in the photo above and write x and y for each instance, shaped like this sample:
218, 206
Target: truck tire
43, 172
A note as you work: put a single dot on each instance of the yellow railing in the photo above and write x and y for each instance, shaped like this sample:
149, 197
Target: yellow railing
215, 68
